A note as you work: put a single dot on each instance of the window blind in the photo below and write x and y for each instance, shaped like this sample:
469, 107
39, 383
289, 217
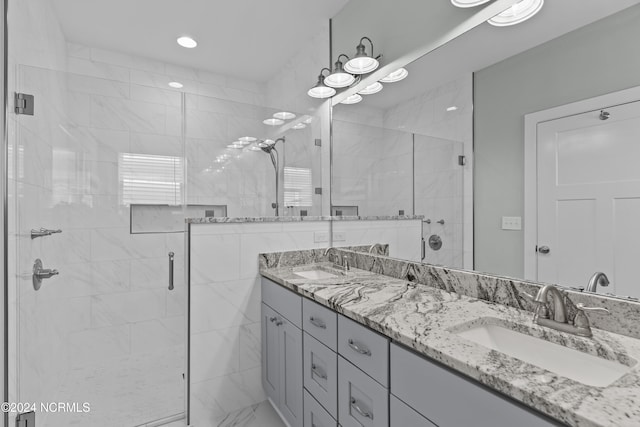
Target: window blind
150, 179
297, 187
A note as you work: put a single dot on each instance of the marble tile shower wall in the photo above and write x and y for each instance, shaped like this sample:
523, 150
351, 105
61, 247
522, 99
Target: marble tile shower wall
225, 290
382, 180
427, 114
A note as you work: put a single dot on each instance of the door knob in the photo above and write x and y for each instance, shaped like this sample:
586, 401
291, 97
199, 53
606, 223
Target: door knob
544, 249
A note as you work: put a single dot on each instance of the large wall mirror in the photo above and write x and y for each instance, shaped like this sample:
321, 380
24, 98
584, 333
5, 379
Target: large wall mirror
399, 150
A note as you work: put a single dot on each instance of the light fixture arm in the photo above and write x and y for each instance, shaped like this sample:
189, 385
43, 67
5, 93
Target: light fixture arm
370, 42
341, 55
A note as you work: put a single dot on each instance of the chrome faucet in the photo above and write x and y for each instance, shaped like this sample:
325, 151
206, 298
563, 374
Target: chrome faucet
559, 322
345, 264
559, 308
378, 247
598, 278
331, 254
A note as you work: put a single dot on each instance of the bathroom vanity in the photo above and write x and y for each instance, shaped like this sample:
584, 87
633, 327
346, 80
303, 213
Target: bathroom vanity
356, 348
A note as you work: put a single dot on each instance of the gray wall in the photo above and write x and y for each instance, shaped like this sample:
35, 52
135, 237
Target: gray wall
594, 60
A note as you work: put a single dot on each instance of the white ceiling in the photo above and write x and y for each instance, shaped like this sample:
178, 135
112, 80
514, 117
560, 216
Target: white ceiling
249, 39
486, 45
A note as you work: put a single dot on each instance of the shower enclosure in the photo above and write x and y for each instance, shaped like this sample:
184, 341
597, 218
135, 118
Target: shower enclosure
106, 333
101, 177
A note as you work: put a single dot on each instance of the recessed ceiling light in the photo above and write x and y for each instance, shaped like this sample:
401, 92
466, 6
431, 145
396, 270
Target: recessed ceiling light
284, 115
452, 108
396, 76
517, 13
186, 41
353, 99
299, 126
468, 3
371, 89
254, 148
247, 139
176, 85
308, 120
236, 146
273, 122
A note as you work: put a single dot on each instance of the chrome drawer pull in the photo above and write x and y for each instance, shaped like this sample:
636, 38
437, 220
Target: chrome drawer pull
318, 372
317, 323
359, 348
356, 406
275, 319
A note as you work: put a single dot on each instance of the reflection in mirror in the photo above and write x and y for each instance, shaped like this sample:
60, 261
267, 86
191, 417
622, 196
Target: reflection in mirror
257, 161
545, 62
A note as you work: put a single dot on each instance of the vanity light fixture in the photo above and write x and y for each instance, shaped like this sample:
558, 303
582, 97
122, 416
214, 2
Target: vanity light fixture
339, 78
265, 143
371, 89
299, 126
308, 120
517, 13
255, 148
187, 42
320, 90
284, 115
247, 139
235, 146
176, 85
273, 122
353, 99
468, 3
396, 76
361, 63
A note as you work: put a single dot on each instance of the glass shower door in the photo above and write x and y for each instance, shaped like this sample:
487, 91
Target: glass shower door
97, 180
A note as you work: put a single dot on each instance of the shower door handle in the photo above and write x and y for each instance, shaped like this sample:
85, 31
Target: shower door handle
171, 271
424, 250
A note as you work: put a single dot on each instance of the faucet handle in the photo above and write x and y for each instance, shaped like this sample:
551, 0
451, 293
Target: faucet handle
581, 321
581, 307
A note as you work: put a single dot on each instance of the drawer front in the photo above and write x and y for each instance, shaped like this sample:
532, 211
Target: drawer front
321, 373
321, 323
362, 402
282, 300
364, 348
402, 415
315, 415
451, 400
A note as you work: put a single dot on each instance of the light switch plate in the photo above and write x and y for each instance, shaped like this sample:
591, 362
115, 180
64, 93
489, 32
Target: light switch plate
511, 223
320, 237
340, 236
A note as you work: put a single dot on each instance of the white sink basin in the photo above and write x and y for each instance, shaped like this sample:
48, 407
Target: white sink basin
564, 361
315, 274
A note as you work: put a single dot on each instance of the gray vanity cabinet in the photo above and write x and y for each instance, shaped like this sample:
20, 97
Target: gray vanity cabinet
401, 415
315, 415
282, 351
321, 373
362, 401
450, 400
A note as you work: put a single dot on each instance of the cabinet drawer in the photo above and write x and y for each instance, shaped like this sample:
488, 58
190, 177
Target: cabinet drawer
402, 415
451, 400
315, 415
282, 300
364, 348
321, 373
320, 322
362, 402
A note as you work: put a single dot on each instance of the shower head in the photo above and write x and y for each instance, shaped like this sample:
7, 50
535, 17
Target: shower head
268, 148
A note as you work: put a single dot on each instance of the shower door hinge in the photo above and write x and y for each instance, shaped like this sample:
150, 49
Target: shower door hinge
318, 142
24, 104
462, 160
318, 190
27, 419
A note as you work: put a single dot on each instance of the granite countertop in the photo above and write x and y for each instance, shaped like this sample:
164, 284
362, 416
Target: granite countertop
213, 220
426, 319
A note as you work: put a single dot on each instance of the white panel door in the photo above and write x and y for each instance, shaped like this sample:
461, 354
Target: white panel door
589, 198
